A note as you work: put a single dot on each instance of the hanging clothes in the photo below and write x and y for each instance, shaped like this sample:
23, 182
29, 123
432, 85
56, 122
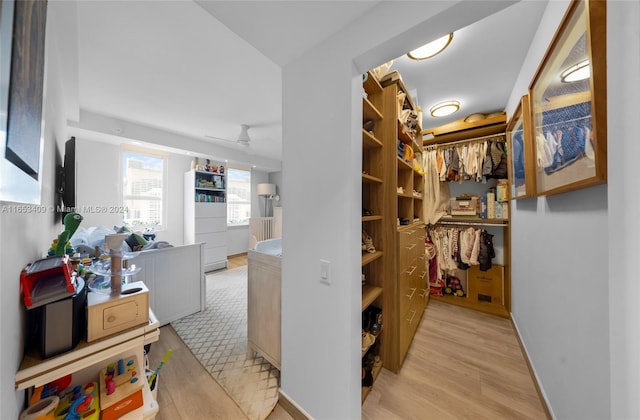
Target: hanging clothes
436, 193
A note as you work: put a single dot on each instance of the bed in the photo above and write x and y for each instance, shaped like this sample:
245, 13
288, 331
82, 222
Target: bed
263, 300
174, 274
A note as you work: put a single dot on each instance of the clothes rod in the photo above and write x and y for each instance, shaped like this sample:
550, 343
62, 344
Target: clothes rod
498, 137
460, 223
561, 123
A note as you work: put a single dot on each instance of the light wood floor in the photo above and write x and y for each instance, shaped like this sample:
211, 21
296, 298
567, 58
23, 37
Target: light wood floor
462, 365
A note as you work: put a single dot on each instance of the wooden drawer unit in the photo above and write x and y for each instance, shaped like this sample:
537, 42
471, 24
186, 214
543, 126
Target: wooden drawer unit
107, 315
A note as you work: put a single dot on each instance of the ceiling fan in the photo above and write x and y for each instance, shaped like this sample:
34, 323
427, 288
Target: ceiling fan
243, 138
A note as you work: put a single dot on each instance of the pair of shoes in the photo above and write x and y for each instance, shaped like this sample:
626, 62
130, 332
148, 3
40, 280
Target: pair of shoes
367, 243
372, 320
366, 212
367, 341
400, 190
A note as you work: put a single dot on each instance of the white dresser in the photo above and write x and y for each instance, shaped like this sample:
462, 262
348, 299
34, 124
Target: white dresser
206, 221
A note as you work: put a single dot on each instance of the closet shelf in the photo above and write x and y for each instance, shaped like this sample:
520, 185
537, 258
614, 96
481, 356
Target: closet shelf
371, 218
419, 224
369, 294
371, 179
369, 141
367, 389
404, 165
369, 111
369, 257
405, 195
371, 85
472, 221
406, 138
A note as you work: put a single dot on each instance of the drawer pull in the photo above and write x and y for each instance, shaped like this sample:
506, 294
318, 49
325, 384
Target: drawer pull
424, 293
413, 291
410, 272
413, 315
410, 247
111, 318
424, 273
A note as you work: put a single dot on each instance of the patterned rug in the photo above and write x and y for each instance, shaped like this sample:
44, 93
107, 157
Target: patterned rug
217, 337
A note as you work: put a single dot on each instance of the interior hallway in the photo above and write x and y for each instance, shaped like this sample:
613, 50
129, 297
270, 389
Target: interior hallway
462, 364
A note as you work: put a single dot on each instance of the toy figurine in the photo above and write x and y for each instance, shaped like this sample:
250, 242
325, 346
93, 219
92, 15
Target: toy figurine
71, 222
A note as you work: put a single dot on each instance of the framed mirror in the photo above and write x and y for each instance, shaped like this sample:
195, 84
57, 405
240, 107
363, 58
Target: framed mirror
568, 103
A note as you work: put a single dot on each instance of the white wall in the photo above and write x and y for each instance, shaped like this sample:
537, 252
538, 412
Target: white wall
574, 290
321, 324
28, 236
623, 57
98, 183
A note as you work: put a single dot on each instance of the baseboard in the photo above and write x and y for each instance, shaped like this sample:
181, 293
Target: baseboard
241, 254
532, 372
291, 407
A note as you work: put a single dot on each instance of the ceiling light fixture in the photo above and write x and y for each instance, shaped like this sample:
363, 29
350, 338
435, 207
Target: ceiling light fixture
243, 138
444, 108
579, 71
431, 49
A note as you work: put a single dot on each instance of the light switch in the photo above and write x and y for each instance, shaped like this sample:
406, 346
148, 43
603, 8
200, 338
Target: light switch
325, 272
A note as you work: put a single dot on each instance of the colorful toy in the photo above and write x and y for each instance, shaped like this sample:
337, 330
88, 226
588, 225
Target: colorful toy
71, 222
154, 375
454, 286
81, 403
120, 388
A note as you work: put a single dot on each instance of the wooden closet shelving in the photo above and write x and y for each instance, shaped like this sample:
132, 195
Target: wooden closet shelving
463, 132
406, 288
375, 215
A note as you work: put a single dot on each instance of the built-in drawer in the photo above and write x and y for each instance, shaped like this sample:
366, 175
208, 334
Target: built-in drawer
211, 210
407, 290
107, 314
211, 224
216, 253
212, 239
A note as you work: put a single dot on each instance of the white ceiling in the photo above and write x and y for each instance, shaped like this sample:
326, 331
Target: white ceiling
173, 66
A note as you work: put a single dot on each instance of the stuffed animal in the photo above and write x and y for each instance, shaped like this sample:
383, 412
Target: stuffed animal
71, 222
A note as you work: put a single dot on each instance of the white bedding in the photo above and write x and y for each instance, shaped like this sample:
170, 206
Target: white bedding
270, 246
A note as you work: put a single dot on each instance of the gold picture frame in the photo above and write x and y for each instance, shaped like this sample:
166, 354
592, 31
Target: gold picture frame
521, 152
568, 103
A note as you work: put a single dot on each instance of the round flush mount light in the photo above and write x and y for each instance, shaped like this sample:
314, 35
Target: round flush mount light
444, 108
577, 72
431, 49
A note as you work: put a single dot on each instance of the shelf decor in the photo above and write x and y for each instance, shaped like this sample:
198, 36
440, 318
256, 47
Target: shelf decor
568, 103
521, 152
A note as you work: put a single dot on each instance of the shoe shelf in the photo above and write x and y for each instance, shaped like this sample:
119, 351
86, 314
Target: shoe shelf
369, 111
372, 86
371, 179
371, 218
369, 141
376, 371
404, 165
370, 257
369, 295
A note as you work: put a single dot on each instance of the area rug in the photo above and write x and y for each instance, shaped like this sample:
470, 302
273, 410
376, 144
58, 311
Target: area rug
217, 337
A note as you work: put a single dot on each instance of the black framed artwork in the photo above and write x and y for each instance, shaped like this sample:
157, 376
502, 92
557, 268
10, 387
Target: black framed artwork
24, 119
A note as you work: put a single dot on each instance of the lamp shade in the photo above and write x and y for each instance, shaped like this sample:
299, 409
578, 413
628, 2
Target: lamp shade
266, 189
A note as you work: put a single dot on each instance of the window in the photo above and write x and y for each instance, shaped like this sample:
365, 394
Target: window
238, 197
143, 177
